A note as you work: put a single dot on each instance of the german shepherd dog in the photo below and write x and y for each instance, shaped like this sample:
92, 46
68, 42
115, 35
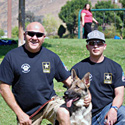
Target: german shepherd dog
74, 98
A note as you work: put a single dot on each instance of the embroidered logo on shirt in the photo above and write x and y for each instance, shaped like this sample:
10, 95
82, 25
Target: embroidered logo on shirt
123, 77
108, 78
65, 66
25, 68
46, 67
90, 77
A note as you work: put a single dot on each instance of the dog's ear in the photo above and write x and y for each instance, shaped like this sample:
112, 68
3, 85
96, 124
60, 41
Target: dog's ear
86, 79
73, 75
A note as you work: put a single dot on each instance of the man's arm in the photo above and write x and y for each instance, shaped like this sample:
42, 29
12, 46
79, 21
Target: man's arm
68, 81
10, 100
111, 116
88, 99
119, 96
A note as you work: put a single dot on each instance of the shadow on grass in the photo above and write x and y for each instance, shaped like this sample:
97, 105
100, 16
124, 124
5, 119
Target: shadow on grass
4, 49
46, 44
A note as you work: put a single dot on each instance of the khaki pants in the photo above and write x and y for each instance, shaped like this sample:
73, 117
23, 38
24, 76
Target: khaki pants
49, 111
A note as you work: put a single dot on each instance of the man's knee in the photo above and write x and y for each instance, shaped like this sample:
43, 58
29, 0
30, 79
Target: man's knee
121, 114
63, 113
122, 110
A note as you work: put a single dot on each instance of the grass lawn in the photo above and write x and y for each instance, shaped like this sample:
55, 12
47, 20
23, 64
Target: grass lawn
70, 51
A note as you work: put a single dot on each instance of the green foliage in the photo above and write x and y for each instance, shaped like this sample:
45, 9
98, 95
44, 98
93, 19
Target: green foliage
15, 32
61, 31
107, 17
123, 33
55, 37
50, 24
1, 32
69, 14
26, 23
123, 3
121, 14
104, 17
100, 28
110, 31
29, 16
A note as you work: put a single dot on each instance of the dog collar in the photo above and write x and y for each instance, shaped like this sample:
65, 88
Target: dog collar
115, 107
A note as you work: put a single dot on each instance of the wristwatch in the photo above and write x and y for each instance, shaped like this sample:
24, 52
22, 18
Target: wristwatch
115, 107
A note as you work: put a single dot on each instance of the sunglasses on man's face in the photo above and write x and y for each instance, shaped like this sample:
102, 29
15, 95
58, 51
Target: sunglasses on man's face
96, 42
38, 34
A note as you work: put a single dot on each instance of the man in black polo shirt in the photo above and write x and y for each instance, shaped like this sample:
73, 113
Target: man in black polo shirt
30, 70
107, 85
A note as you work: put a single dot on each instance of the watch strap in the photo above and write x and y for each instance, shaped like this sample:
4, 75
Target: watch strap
115, 107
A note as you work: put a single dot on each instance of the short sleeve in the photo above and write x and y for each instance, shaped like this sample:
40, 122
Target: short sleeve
118, 77
6, 73
61, 72
83, 11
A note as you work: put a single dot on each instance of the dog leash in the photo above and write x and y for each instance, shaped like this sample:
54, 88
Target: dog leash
41, 108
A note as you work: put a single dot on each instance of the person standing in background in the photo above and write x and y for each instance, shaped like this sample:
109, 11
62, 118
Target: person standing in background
87, 18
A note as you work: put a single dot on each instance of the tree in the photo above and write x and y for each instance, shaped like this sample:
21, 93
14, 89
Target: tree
50, 24
123, 3
122, 13
69, 14
61, 31
15, 32
1, 32
21, 22
29, 16
107, 17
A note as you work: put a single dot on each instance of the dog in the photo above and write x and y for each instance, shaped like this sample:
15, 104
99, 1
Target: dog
74, 98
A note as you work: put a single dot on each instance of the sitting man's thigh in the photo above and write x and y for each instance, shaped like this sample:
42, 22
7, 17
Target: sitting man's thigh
121, 116
49, 111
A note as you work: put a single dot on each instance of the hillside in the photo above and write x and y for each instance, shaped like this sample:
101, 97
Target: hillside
38, 7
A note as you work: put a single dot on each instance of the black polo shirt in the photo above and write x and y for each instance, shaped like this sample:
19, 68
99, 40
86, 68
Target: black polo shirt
105, 77
31, 76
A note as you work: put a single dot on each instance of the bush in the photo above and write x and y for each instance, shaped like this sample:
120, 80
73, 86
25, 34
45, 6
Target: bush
1, 32
123, 34
61, 31
110, 31
15, 32
50, 24
100, 28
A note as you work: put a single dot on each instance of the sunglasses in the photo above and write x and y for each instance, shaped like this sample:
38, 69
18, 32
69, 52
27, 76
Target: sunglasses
96, 42
38, 34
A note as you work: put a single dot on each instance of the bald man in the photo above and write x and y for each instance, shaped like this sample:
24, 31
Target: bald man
30, 70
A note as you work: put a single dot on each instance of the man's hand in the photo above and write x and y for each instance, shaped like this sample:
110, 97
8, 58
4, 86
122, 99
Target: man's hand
111, 117
24, 119
87, 100
8, 96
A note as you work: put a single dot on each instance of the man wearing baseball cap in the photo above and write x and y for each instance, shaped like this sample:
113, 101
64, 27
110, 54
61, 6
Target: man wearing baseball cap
106, 84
